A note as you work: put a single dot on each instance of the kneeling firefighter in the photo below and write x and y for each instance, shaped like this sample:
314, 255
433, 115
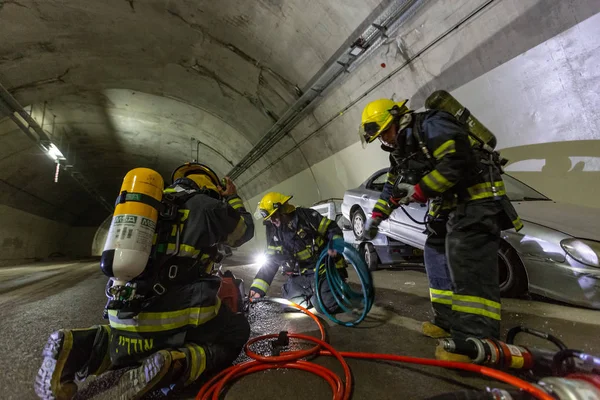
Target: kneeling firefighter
166, 318
296, 237
433, 155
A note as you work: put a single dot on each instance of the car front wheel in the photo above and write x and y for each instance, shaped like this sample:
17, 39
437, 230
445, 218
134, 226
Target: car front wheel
358, 223
371, 258
512, 276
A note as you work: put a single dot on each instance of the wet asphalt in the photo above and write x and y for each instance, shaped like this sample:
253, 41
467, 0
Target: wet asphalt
75, 298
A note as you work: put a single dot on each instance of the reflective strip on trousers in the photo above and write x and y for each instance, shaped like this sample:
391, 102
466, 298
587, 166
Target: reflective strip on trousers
476, 305
446, 148
164, 321
236, 203
440, 296
484, 190
260, 284
437, 182
197, 362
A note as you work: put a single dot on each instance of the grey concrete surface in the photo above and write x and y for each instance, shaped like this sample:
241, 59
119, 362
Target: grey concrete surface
75, 298
121, 84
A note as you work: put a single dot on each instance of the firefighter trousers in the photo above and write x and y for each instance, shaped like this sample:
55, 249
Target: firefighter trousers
300, 289
472, 241
209, 348
438, 274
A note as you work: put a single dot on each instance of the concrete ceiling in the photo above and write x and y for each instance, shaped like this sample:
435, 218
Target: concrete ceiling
130, 83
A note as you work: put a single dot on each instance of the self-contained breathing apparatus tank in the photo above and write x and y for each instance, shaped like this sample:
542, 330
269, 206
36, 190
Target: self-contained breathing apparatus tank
444, 101
131, 232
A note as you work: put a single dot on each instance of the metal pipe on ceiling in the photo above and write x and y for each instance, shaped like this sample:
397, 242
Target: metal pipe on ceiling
341, 112
347, 56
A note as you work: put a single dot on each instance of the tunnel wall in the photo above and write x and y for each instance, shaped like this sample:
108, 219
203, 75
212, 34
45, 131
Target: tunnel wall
78, 242
25, 237
527, 70
542, 105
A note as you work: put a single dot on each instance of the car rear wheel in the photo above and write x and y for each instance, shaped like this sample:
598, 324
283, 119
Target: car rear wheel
512, 276
371, 258
358, 223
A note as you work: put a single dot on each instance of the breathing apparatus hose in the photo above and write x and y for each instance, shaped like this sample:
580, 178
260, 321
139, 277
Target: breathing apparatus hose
346, 297
341, 388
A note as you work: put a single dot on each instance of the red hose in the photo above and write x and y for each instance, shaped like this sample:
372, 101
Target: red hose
342, 389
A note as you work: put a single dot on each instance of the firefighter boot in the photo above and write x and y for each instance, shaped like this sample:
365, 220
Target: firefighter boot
69, 355
433, 331
164, 370
444, 355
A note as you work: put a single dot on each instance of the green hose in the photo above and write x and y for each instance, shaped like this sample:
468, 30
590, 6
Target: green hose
347, 298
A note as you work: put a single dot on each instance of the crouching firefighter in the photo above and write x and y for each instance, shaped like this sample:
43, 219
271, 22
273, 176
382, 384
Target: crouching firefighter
433, 155
166, 318
296, 237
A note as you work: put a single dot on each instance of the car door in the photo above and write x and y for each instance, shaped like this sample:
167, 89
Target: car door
373, 190
407, 230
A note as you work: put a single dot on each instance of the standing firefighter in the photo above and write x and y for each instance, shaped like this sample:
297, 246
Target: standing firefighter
433, 156
295, 239
166, 320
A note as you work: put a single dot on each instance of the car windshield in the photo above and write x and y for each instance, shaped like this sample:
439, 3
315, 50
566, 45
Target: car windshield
378, 183
518, 191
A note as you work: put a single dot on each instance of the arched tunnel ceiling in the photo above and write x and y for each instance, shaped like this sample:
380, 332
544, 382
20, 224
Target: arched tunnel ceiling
129, 83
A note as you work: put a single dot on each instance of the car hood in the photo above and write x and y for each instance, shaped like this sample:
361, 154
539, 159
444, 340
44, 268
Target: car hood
577, 221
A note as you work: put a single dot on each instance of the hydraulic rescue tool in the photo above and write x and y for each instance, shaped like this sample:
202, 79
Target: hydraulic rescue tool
564, 373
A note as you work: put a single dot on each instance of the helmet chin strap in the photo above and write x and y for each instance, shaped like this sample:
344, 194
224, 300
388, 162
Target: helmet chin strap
403, 123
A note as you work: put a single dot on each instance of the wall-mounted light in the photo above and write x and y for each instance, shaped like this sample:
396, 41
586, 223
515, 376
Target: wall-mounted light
54, 153
356, 51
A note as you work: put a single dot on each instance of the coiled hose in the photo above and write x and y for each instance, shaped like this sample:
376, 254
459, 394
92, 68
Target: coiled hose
346, 298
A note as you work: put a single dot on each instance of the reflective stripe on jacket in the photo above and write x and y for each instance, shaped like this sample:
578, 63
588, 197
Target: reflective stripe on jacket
301, 240
458, 168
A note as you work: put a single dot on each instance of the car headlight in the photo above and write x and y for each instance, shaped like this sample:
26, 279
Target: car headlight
585, 251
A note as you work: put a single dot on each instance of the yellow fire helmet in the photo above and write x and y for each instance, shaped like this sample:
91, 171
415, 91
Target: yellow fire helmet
377, 117
272, 202
201, 174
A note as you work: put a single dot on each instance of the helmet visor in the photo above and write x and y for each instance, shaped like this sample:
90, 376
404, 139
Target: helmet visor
368, 132
262, 214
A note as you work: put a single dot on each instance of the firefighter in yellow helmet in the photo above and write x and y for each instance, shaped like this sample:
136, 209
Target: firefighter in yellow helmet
175, 329
433, 157
296, 237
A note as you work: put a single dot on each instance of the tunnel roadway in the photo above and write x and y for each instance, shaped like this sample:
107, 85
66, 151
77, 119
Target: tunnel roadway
72, 295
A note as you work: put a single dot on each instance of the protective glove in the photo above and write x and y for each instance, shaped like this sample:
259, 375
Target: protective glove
255, 294
372, 226
404, 193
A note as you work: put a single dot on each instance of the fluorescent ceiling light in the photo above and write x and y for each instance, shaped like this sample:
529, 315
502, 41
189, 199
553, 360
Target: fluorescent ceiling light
55, 153
355, 51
